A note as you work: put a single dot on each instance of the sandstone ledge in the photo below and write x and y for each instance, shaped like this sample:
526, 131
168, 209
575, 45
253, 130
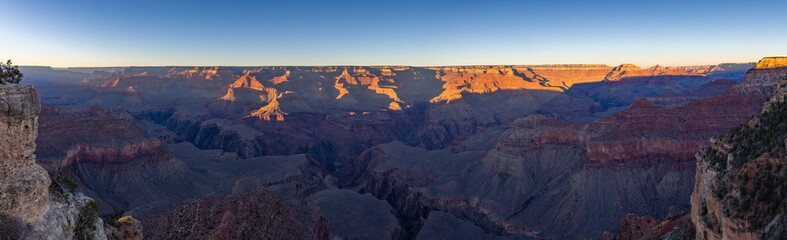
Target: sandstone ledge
771, 62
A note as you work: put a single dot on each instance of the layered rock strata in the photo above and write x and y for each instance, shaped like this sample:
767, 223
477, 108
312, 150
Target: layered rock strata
739, 190
47, 211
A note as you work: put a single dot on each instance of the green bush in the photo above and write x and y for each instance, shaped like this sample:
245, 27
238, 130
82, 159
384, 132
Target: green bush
63, 183
88, 215
112, 219
69, 183
9, 74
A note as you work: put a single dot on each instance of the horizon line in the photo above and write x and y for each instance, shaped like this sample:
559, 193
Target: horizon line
391, 65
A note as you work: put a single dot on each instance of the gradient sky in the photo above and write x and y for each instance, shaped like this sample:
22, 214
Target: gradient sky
425, 32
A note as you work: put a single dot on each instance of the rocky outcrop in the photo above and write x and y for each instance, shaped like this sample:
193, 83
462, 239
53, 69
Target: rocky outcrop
771, 62
279, 106
26, 193
23, 184
123, 228
251, 215
248, 81
739, 190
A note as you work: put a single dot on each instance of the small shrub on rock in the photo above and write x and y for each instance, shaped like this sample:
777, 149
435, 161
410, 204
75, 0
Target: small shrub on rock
9, 74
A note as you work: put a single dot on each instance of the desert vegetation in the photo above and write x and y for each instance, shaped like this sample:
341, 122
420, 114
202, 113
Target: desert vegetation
9, 74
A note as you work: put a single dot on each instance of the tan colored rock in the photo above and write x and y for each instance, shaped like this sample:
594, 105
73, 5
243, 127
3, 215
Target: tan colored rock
281, 79
631, 70
23, 184
771, 62
126, 228
248, 81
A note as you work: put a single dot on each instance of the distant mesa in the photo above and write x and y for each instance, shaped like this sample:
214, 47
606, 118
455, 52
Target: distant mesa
207, 73
631, 70
623, 70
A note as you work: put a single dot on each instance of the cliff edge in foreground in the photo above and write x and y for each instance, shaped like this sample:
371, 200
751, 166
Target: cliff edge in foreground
740, 188
31, 207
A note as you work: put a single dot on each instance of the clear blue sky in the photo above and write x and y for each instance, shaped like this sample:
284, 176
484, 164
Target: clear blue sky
423, 32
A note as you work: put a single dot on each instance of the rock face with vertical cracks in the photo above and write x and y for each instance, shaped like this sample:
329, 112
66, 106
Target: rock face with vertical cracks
25, 194
23, 184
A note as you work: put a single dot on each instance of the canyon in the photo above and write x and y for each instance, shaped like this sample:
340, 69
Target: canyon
739, 189
396, 152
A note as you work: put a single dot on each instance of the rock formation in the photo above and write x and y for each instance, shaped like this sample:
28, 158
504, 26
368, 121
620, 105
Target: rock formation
26, 192
123, 228
739, 188
771, 62
24, 184
631, 70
